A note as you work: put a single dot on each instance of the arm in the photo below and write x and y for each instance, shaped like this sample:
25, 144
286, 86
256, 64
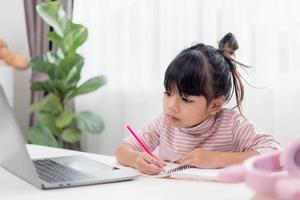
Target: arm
231, 158
247, 141
127, 156
213, 159
247, 137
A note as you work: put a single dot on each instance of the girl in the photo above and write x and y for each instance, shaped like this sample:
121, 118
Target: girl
194, 128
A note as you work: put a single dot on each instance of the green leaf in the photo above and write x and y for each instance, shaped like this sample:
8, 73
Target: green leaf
42, 65
69, 62
59, 87
51, 103
89, 86
54, 15
60, 53
71, 135
55, 38
40, 86
48, 120
74, 39
53, 58
88, 121
64, 119
41, 135
72, 75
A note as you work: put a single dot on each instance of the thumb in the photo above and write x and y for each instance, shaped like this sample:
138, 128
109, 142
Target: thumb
163, 163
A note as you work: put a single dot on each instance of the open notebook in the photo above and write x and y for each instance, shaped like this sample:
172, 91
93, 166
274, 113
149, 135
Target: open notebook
174, 170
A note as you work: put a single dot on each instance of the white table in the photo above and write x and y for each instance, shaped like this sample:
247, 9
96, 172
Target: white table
142, 188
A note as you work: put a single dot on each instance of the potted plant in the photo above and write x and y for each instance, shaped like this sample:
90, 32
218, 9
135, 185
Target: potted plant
57, 124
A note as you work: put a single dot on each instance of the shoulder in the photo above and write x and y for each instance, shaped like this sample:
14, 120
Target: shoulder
237, 121
227, 114
230, 116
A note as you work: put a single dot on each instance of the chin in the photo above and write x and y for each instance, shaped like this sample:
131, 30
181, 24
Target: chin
178, 125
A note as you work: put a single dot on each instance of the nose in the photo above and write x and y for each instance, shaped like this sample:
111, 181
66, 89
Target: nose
173, 104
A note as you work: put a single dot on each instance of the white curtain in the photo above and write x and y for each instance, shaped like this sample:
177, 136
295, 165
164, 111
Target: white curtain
132, 42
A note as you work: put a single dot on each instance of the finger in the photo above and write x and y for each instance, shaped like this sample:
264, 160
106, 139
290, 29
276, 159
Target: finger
153, 169
142, 167
151, 160
187, 162
149, 168
163, 163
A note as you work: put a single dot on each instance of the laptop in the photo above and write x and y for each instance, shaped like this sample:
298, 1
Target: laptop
48, 173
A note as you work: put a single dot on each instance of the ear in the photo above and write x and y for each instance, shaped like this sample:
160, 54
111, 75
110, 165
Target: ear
216, 105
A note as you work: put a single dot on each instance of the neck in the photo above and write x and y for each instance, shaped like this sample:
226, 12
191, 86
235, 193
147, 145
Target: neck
199, 122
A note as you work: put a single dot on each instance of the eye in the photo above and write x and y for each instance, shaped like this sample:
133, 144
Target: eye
167, 93
186, 100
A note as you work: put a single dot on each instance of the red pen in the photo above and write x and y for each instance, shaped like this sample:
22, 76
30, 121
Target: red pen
141, 143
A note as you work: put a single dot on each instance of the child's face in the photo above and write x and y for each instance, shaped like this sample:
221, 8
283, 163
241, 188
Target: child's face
185, 111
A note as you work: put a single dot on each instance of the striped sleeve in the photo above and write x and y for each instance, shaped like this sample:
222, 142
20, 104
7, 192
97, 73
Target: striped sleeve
149, 134
247, 137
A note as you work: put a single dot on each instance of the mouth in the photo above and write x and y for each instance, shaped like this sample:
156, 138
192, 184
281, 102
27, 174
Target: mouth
172, 118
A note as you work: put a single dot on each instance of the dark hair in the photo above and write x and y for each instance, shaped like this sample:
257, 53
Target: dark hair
202, 70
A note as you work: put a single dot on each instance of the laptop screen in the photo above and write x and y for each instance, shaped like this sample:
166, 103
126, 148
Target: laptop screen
14, 156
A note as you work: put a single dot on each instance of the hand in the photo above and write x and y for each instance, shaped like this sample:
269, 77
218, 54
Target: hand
203, 158
148, 165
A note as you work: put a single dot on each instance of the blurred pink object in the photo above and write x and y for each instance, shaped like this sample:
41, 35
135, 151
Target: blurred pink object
265, 175
232, 174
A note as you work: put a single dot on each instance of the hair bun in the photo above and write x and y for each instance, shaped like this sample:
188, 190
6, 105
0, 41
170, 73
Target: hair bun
228, 44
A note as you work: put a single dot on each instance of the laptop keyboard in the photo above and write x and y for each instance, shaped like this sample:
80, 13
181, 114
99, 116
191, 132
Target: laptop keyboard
52, 172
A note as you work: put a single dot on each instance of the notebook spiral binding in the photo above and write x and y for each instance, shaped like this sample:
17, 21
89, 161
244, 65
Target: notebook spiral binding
171, 171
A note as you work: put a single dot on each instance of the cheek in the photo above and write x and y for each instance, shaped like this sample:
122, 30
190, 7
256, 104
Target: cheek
164, 103
196, 114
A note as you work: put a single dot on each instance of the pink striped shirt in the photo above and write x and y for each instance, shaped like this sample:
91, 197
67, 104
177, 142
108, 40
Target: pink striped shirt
227, 131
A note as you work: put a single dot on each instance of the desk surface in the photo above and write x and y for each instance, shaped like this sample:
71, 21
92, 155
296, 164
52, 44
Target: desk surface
142, 188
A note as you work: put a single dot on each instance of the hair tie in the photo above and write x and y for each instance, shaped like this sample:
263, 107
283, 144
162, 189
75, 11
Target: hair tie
229, 55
